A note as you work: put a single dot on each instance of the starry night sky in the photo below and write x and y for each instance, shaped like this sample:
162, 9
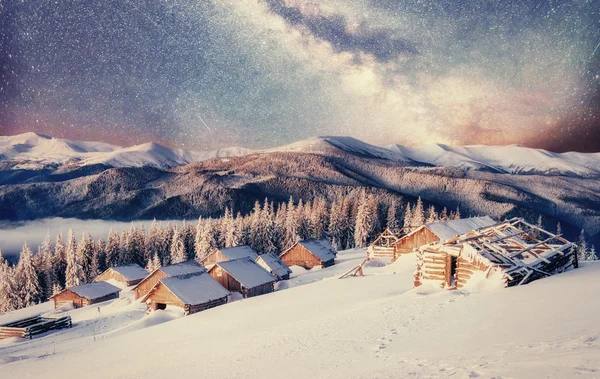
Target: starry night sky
206, 74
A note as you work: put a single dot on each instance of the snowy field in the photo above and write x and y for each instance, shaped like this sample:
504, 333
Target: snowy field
317, 326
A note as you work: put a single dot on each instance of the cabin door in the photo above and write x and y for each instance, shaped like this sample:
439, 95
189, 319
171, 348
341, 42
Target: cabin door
451, 263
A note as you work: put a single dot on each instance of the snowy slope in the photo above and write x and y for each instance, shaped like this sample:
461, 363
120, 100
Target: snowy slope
33, 150
376, 326
511, 159
325, 145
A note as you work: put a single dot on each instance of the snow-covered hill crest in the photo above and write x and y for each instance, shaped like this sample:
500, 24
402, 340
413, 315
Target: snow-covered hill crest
35, 151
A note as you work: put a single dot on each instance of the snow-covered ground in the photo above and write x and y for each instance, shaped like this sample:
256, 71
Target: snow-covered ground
318, 326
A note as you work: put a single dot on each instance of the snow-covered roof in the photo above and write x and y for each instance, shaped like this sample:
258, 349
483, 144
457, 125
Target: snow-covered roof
94, 290
449, 229
130, 272
275, 264
238, 252
187, 267
195, 288
247, 272
321, 249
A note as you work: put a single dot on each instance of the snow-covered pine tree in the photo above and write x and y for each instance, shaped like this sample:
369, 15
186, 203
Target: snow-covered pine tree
319, 218
591, 255
60, 259
164, 251
135, 246
291, 225
347, 223
457, 214
124, 256
444, 214
302, 220
94, 269
56, 288
8, 291
188, 233
336, 224
48, 271
418, 214
364, 223
27, 279
100, 245
112, 248
431, 215
85, 250
177, 249
392, 217
408, 218
581, 247
73, 271
204, 242
153, 263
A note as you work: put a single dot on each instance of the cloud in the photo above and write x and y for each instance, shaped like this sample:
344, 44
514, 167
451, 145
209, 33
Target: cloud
335, 30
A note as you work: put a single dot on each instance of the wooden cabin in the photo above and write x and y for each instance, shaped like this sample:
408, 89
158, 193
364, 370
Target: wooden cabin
274, 265
193, 293
308, 254
244, 276
87, 294
507, 254
124, 276
383, 246
229, 254
439, 231
144, 286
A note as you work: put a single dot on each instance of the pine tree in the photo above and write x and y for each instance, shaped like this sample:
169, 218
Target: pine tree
56, 288
112, 249
124, 256
418, 214
153, 263
60, 259
204, 242
581, 247
347, 223
457, 214
27, 279
431, 215
177, 249
188, 236
94, 269
444, 215
50, 279
291, 225
135, 246
591, 255
365, 219
85, 249
8, 290
73, 272
100, 246
392, 217
408, 219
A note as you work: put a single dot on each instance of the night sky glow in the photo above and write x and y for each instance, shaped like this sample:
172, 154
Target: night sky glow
206, 74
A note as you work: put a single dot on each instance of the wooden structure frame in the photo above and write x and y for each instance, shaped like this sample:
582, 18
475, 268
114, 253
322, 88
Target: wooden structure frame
383, 246
519, 251
32, 326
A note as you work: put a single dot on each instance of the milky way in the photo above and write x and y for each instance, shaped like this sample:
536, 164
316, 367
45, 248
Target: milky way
256, 73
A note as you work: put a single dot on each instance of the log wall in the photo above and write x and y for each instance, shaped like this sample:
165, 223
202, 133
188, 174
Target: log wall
434, 266
300, 256
225, 279
148, 283
465, 269
411, 242
213, 258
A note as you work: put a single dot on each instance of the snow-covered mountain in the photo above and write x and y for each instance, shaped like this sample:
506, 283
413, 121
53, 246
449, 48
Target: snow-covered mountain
512, 159
35, 151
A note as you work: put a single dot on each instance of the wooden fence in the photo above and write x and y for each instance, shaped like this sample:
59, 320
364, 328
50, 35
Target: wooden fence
32, 326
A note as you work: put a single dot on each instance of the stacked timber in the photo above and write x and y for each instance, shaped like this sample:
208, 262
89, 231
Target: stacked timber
32, 326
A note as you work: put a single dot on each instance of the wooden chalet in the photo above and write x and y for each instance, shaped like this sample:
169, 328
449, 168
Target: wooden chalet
244, 276
125, 276
192, 292
439, 231
274, 265
508, 254
228, 254
308, 254
146, 284
87, 294
383, 246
